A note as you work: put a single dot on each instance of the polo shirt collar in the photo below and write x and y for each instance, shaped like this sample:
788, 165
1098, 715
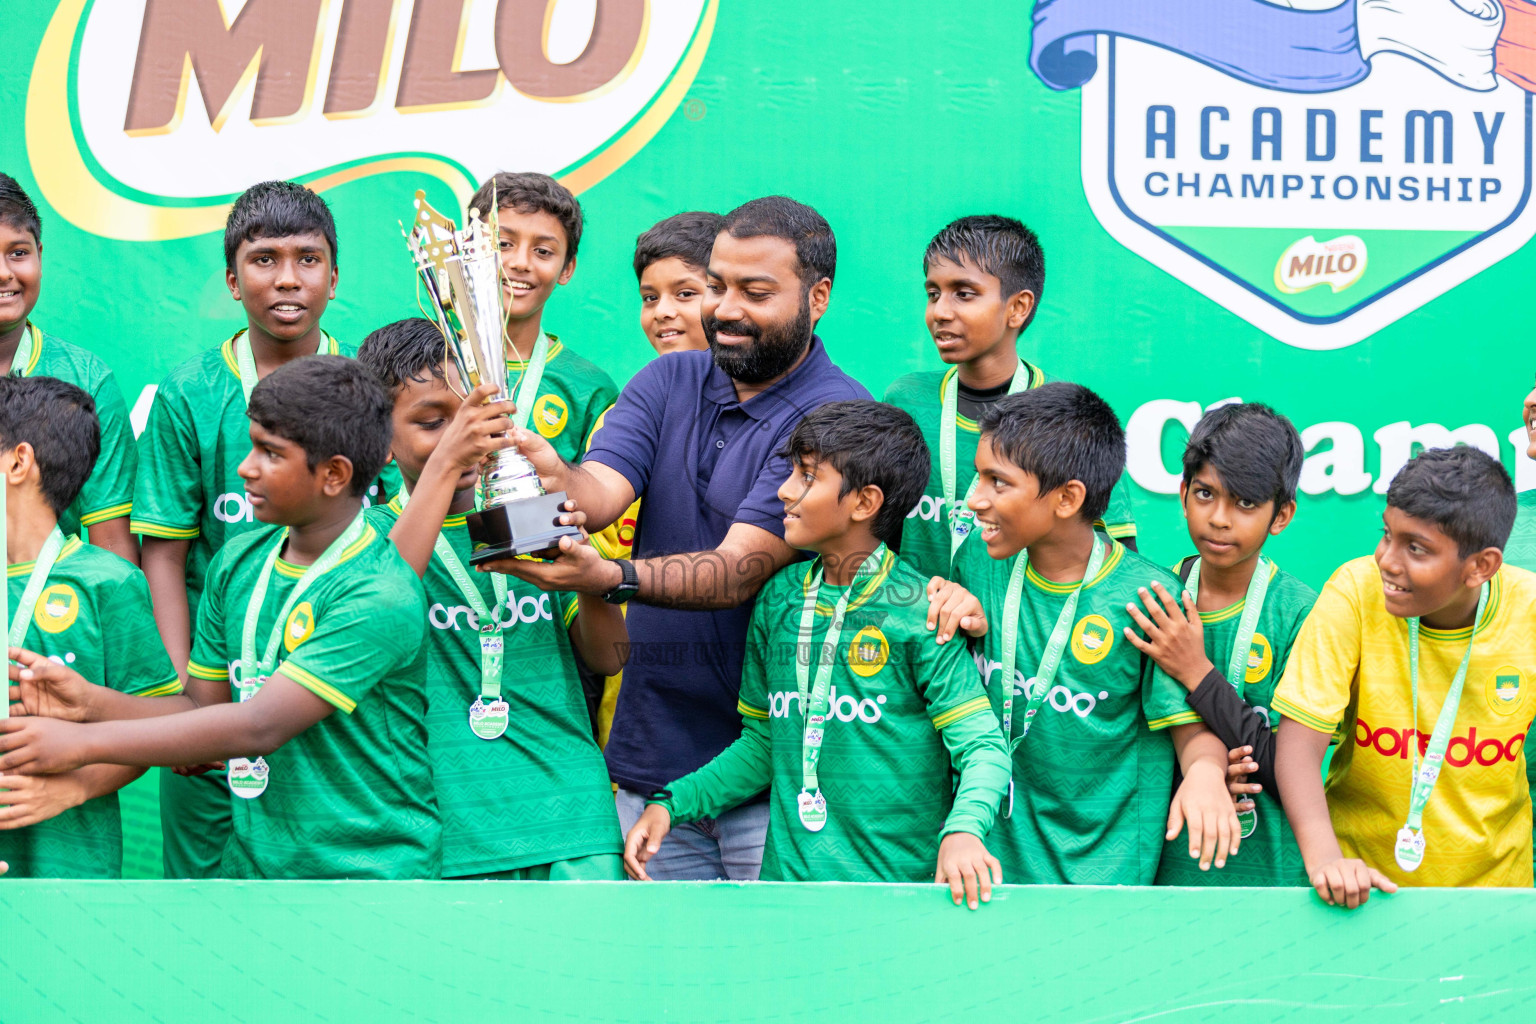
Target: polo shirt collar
720, 389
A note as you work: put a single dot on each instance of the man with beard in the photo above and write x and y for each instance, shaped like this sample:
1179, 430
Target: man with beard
700, 437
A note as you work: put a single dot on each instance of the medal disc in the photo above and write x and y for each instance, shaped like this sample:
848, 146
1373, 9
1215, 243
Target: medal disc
813, 810
1409, 851
489, 721
1247, 822
247, 778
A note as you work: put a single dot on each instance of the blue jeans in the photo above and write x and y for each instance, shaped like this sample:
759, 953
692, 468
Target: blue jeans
730, 846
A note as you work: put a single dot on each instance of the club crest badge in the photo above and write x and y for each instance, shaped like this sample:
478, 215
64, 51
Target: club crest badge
1092, 638
1321, 168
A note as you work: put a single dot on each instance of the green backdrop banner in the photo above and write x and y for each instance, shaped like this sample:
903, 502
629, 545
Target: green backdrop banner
126, 952
1324, 210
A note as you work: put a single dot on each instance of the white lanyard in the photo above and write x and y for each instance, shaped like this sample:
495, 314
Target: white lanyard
814, 702
1050, 660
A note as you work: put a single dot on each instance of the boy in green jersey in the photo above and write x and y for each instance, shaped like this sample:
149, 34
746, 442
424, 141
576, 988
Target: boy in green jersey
877, 745
280, 265
105, 501
521, 783
73, 602
1084, 712
308, 669
1521, 552
539, 222
1228, 637
985, 276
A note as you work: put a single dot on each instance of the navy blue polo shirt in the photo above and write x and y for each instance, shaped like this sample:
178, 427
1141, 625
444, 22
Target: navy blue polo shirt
702, 461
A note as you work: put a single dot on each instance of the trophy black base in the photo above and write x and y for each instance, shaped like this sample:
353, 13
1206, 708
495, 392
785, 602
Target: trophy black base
525, 527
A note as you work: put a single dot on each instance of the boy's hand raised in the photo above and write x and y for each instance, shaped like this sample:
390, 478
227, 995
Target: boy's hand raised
479, 428
1175, 637
951, 607
645, 839
48, 689
39, 746
968, 868
1348, 882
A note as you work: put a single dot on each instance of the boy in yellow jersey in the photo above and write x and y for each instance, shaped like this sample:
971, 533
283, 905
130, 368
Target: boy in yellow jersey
984, 278
102, 507
280, 265
1423, 661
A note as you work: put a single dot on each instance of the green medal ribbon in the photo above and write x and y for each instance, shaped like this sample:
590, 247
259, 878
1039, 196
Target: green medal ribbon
960, 517
29, 595
253, 672
1409, 849
1237, 666
246, 359
1049, 661
24, 349
488, 715
533, 376
814, 703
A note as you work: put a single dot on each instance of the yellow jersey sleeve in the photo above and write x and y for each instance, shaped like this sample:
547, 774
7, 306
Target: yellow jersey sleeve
1320, 675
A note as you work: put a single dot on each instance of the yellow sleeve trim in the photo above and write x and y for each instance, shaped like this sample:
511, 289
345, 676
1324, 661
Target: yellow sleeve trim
1120, 531
102, 515
571, 608
974, 706
208, 672
319, 687
149, 529
1182, 718
166, 689
749, 711
1302, 715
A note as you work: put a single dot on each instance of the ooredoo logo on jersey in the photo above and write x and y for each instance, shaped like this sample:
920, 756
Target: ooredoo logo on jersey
1321, 168
146, 117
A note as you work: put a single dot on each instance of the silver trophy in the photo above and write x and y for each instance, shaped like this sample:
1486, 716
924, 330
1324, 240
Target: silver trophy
462, 273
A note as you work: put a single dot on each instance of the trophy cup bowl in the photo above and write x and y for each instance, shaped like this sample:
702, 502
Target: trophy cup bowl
462, 274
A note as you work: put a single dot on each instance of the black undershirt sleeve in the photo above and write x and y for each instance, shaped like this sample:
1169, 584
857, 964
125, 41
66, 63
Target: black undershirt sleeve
1237, 723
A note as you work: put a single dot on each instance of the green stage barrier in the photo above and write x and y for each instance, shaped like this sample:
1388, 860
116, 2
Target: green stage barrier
126, 952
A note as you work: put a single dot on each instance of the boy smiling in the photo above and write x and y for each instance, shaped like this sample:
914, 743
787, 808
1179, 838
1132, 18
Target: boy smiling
1420, 659
103, 505
1084, 714
851, 715
540, 224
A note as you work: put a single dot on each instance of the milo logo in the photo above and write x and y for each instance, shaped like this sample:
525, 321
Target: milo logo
180, 104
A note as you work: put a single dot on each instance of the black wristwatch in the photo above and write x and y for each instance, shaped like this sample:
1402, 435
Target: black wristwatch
629, 583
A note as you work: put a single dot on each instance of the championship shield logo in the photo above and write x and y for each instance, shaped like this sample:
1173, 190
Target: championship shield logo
1320, 168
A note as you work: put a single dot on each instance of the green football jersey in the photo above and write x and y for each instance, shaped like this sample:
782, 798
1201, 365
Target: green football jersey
197, 435
108, 493
897, 699
573, 393
351, 796
1270, 855
93, 616
1092, 781
539, 793
1521, 552
925, 536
